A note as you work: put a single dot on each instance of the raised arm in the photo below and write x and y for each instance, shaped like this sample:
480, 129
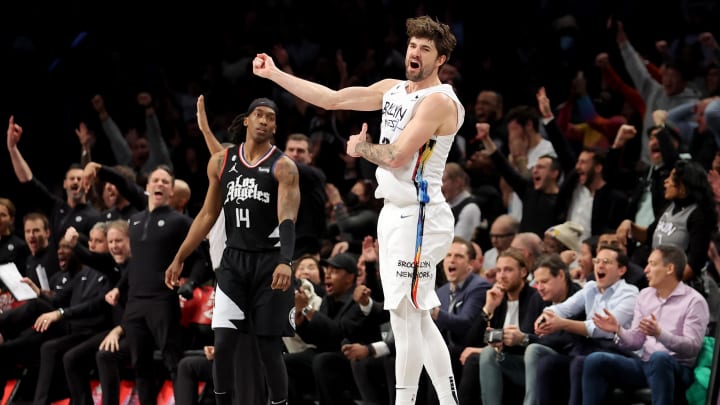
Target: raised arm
85, 139
118, 144
211, 141
616, 83
635, 65
22, 169
159, 154
204, 220
348, 98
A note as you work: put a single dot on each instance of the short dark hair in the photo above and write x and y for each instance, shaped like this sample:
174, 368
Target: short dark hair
296, 264
74, 166
468, 246
167, 169
439, 33
524, 114
33, 216
599, 155
126, 172
622, 259
555, 265
675, 256
554, 161
300, 137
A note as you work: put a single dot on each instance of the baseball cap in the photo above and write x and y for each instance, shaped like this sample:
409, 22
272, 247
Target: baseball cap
343, 261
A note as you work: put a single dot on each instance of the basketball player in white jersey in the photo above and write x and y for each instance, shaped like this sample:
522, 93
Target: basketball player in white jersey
420, 117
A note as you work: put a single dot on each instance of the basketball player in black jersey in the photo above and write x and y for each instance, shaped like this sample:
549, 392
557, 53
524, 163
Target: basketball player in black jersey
256, 186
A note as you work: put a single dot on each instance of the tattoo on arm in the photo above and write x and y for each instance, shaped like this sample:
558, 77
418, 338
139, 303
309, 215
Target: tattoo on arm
288, 190
220, 161
381, 155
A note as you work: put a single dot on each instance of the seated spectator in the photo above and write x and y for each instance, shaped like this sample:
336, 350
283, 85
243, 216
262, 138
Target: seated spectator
610, 292
81, 359
530, 245
22, 346
461, 300
80, 309
324, 371
635, 273
502, 232
193, 370
503, 360
12, 247
584, 270
668, 326
43, 263
373, 364
563, 237
510, 303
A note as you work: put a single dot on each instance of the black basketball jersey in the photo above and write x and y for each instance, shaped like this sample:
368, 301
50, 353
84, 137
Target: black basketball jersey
250, 194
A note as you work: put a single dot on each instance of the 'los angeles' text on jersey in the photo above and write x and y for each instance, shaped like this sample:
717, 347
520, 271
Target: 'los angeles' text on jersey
250, 200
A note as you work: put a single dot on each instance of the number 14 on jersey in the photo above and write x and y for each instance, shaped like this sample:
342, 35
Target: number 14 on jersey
242, 215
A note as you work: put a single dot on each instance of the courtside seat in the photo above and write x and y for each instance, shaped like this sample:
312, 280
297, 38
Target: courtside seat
703, 389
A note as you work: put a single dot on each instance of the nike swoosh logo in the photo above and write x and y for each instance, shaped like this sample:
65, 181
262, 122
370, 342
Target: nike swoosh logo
405, 216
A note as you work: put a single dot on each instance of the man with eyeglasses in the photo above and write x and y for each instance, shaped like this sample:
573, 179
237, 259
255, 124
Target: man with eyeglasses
667, 329
634, 274
502, 231
608, 293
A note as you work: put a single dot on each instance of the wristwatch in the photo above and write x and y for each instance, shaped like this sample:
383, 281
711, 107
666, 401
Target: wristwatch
305, 311
525, 341
62, 312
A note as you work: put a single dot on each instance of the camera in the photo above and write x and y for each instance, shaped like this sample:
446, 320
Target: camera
494, 336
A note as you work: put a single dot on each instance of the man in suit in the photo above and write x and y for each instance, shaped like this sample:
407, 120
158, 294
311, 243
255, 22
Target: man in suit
461, 299
339, 318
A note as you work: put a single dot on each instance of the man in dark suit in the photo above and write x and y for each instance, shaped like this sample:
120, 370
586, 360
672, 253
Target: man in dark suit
461, 299
339, 319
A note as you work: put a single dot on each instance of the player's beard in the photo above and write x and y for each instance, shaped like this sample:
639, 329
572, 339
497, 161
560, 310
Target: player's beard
418, 76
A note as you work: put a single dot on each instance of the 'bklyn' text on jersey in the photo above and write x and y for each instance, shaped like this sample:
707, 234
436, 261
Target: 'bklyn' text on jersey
393, 114
244, 188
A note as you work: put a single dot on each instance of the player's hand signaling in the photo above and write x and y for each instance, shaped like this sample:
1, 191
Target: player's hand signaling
263, 65
14, 133
281, 277
356, 140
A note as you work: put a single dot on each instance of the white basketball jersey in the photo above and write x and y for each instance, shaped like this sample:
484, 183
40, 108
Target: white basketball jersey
421, 178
